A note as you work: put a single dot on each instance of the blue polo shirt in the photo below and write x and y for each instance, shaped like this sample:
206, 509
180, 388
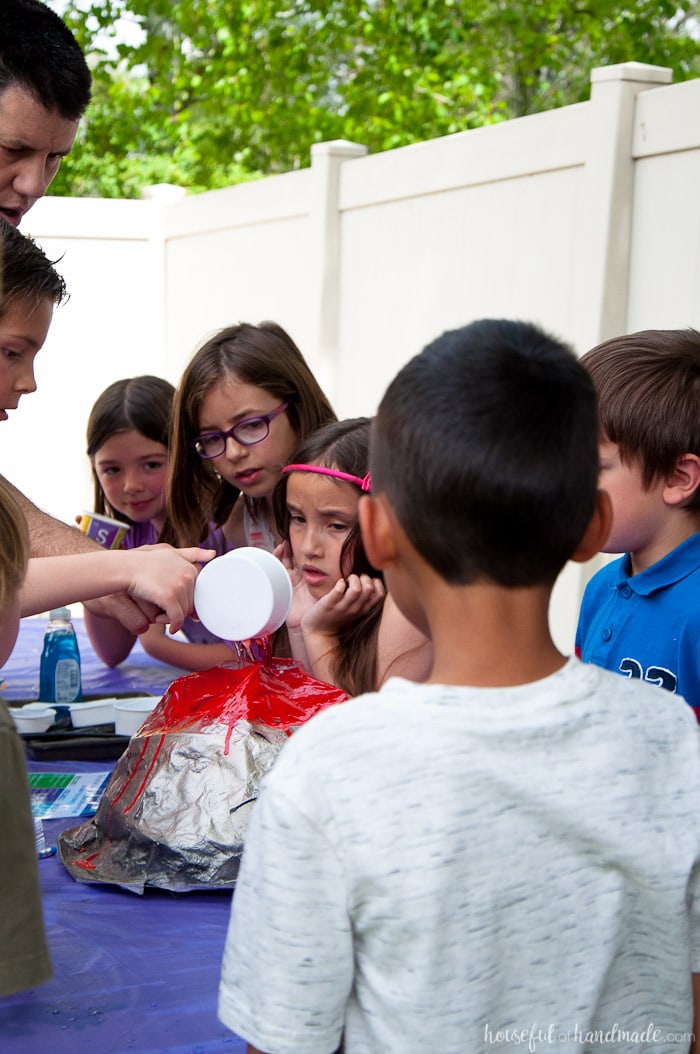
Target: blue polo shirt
647, 625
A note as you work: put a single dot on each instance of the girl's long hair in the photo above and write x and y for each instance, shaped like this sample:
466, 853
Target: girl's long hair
141, 404
343, 445
264, 356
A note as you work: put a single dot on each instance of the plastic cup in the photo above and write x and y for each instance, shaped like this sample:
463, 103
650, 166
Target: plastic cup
130, 714
243, 595
102, 529
32, 718
92, 712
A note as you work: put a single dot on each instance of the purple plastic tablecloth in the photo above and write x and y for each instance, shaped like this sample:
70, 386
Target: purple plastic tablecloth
135, 974
138, 675
132, 974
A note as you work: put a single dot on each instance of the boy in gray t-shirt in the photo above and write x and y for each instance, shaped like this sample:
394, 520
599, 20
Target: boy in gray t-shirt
508, 854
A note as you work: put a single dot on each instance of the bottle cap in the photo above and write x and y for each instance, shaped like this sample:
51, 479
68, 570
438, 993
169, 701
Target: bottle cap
59, 613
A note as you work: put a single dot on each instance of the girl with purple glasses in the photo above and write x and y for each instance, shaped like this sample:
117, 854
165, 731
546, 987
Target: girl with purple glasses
245, 401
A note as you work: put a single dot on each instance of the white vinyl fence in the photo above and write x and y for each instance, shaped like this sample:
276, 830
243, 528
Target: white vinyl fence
585, 220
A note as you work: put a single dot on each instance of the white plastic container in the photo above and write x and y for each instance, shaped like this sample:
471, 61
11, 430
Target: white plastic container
34, 717
243, 595
130, 714
92, 712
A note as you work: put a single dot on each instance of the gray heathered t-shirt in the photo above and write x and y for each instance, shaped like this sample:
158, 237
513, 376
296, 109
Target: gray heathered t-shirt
447, 870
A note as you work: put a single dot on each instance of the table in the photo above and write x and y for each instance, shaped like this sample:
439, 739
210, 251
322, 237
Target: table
138, 675
132, 974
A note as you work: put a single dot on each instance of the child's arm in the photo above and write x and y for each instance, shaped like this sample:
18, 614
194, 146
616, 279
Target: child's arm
185, 654
158, 575
112, 644
402, 650
110, 641
51, 537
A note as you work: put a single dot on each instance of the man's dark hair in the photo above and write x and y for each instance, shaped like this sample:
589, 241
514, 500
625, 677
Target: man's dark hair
39, 53
486, 445
648, 387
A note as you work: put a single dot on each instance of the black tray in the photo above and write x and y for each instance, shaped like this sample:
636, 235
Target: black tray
94, 743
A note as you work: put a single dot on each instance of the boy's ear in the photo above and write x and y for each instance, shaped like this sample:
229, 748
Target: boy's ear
598, 529
683, 481
378, 536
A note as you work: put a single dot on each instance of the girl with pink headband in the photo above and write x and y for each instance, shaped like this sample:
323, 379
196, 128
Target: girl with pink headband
343, 626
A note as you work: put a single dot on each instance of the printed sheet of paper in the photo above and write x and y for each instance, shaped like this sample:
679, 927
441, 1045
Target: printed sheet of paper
59, 794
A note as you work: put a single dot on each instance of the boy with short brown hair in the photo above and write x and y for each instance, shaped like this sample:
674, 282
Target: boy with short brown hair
640, 614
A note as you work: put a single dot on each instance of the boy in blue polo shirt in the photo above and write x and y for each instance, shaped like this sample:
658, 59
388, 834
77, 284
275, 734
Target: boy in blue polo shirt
640, 614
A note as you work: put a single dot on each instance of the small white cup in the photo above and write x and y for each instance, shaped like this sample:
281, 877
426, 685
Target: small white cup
92, 712
34, 717
130, 714
243, 595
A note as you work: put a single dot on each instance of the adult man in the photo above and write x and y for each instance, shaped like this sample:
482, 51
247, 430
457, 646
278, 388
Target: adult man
44, 90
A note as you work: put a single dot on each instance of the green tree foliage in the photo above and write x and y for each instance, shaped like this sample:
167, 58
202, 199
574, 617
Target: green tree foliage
219, 91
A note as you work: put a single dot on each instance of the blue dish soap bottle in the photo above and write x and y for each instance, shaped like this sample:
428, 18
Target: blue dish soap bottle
59, 670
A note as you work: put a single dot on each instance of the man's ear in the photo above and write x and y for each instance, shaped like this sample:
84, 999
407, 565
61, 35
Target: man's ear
683, 482
376, 526
598, 529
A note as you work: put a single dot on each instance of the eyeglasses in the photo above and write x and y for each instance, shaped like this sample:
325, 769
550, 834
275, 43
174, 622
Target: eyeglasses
248, 432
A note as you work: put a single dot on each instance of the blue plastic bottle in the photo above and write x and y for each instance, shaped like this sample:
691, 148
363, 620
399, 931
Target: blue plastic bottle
59, 670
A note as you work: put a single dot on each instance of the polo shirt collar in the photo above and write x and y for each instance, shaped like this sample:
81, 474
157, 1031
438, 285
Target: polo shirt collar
672, 568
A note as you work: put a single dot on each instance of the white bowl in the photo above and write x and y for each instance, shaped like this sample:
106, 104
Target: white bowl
92, 712
130, 714
243, 595
33, 717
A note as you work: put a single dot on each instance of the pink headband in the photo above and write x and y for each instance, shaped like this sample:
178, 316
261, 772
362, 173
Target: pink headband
365, 484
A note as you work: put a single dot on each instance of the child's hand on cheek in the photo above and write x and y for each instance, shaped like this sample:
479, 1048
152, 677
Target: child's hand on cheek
301, 598
283, 553
348, 599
